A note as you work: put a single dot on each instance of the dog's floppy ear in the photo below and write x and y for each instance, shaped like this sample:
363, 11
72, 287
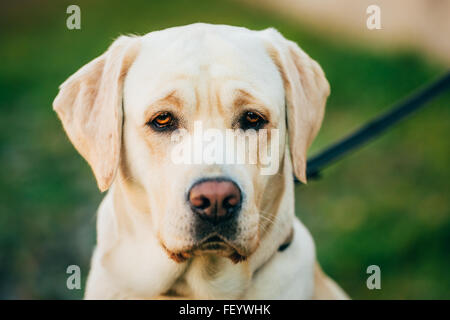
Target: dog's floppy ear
89, 104
306, 90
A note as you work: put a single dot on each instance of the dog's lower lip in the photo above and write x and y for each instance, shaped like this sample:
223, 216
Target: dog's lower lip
213, 239
214, 243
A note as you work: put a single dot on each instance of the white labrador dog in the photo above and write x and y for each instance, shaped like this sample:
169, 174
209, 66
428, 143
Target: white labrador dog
204, 231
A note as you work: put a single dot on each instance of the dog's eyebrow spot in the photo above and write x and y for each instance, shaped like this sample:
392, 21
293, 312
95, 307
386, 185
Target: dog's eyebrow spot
171, 99
244, 98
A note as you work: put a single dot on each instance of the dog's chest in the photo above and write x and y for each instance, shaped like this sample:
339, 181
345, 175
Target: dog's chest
212, 277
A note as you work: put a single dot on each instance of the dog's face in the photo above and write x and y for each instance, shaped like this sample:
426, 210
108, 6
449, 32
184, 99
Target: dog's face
205, 78
131, 111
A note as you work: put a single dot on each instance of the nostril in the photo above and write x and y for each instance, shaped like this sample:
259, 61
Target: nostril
230, 202
200, 202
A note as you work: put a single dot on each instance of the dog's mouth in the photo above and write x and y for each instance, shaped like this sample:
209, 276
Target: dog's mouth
213, 244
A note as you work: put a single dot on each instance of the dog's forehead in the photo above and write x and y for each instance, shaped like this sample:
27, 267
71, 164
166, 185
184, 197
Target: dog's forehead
186, 56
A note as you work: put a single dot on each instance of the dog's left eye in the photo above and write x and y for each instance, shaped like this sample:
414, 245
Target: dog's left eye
252, 120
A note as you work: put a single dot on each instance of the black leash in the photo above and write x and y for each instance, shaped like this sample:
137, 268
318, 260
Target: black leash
375, 127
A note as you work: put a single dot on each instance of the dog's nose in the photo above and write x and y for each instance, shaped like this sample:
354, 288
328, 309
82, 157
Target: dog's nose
215, 200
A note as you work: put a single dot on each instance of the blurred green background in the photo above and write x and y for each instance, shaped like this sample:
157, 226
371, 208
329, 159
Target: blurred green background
387, 204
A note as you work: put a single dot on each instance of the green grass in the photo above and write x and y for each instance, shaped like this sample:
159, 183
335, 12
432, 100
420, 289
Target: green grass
386, 204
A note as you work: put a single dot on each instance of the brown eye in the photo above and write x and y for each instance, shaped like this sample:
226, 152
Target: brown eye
252, 120
163, 121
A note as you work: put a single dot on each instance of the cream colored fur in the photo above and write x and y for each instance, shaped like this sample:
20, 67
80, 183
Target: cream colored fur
144, 229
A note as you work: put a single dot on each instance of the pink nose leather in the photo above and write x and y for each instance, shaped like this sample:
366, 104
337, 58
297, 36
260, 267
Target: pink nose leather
215, 200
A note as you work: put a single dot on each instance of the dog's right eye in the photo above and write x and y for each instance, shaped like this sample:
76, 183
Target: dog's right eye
163, 121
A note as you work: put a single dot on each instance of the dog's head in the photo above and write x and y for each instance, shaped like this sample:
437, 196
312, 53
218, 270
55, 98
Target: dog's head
135, 114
